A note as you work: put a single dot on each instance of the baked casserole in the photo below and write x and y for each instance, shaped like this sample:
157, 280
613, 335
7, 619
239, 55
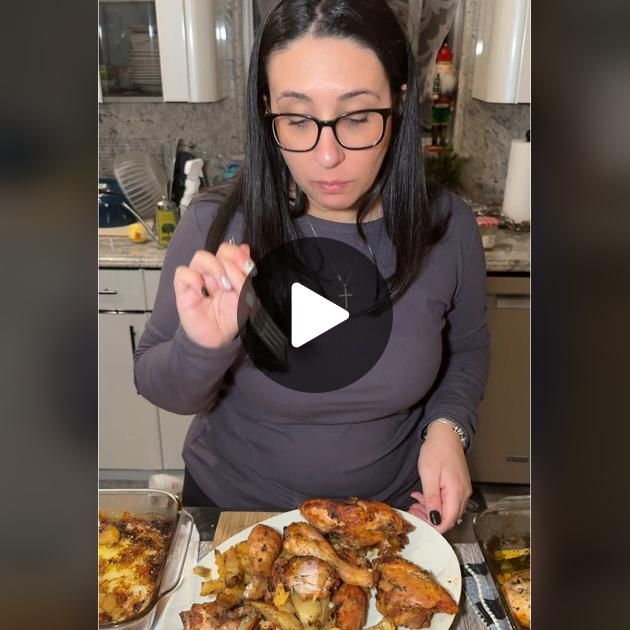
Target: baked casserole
131, 554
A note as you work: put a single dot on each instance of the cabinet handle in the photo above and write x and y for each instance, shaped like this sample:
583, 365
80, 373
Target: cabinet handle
513, 301
108, 292
132, 336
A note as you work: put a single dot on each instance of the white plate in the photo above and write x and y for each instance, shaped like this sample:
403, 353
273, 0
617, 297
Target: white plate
427, 548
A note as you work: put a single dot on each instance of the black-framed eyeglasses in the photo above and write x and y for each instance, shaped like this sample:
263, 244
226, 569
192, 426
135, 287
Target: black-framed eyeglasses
361, 129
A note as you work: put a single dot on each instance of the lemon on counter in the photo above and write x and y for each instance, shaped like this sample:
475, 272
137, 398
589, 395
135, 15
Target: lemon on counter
137, 233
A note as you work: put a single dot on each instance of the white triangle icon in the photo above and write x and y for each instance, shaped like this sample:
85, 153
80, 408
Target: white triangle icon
312, 315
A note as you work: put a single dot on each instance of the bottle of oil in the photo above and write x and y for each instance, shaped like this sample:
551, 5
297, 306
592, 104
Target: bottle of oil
166, 216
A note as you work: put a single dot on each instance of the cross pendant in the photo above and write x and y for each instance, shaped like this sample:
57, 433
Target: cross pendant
345, 295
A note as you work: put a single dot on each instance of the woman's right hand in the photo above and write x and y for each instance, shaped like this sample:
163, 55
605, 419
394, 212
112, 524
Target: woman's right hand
211, 320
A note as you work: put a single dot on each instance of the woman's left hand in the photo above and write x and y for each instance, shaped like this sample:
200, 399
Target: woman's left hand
444, 477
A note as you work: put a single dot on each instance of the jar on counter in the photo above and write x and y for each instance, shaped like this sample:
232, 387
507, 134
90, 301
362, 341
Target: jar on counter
488, 227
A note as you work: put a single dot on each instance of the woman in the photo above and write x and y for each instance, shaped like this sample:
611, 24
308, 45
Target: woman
399, 433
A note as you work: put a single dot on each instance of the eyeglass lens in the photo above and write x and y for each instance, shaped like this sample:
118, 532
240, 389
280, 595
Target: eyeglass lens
354, 131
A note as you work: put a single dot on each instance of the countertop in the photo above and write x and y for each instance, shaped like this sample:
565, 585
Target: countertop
509, 255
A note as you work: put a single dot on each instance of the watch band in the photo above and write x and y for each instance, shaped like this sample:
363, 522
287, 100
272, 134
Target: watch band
461, 433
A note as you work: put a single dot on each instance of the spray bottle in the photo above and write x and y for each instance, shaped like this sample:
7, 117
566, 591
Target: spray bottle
194, 173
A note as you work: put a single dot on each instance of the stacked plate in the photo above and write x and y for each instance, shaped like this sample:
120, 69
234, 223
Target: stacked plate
144, 59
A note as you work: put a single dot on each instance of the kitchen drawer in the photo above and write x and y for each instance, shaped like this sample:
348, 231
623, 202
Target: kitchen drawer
121, 290
151, 284
507, 285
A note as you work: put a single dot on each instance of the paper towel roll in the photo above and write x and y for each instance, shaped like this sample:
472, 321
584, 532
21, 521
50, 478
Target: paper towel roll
516, 201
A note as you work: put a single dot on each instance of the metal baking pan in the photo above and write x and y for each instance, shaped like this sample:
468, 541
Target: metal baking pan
504, 526
151, 504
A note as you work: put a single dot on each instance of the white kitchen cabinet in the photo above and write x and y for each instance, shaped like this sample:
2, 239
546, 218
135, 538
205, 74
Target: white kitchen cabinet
502, 61
134, 434
129, 432
162, 50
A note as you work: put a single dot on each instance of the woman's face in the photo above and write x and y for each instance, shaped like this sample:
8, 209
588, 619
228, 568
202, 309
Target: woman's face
327, 77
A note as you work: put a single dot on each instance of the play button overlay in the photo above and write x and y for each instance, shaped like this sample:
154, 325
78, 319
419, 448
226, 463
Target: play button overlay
317, 314
312, 315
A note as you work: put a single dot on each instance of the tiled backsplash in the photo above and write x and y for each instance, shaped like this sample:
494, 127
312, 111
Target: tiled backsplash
214, 130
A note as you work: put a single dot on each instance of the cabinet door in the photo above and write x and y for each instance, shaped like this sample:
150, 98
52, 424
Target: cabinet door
129, 436
151, 284
193, 48
500, 449
129, 50
173, 429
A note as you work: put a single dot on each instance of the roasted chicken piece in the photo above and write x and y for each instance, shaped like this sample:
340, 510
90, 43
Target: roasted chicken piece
264, 544
358, 523
350, 606
409, 595
301, 539
309, 582
212, 616
383, 624
353, 556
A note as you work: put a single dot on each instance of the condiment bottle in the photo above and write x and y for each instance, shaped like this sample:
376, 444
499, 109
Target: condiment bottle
166, 216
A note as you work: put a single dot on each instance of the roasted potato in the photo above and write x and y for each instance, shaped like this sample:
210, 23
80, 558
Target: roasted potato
220, 562
280, 596
230, 596
280, 618
109, 536
242, 553
232, 573
203, 572
212, 587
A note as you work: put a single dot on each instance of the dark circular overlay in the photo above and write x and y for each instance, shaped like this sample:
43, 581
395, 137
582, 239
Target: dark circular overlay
341, 355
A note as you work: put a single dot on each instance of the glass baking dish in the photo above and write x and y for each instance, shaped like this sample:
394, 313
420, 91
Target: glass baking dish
152, 504
503, 527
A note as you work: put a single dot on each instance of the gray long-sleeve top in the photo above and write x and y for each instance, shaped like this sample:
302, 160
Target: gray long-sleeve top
255, 443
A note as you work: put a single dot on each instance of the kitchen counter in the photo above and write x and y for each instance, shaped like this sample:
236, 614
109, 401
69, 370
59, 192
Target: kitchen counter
509, 255
119, 251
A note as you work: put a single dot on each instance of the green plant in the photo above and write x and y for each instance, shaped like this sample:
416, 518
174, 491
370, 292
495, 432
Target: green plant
445, 168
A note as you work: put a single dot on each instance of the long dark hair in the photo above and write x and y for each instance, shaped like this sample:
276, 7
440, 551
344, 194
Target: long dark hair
262, 188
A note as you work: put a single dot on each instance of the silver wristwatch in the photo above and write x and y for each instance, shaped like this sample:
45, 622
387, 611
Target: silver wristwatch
461, 433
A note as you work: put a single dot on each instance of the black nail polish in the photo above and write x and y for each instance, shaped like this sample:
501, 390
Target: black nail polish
204, 291
435, 517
